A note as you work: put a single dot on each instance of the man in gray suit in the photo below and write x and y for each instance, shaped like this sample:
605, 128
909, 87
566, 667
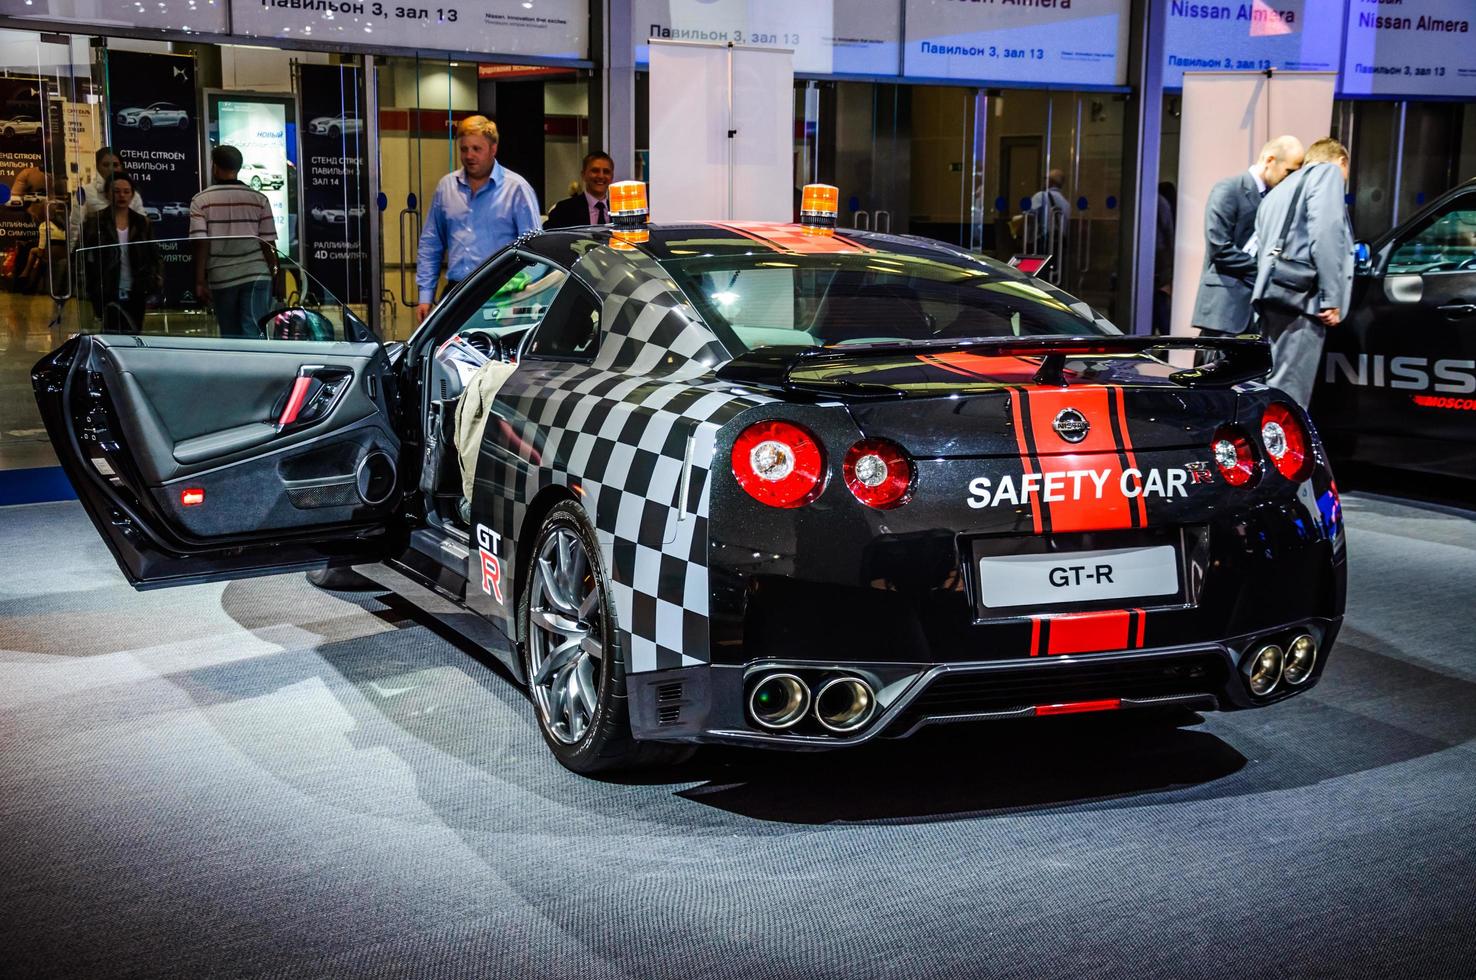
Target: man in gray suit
1223, 305
1320, 234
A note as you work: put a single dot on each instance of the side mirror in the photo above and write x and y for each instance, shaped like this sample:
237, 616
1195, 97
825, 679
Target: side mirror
1362, 259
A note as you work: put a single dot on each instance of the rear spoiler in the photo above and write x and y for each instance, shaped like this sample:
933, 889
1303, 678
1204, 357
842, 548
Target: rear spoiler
1242, 359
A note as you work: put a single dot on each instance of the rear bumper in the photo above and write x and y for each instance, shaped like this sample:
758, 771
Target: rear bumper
706, 704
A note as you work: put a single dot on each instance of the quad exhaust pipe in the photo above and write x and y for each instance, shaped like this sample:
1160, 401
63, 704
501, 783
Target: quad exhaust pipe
1272, 665
781, 700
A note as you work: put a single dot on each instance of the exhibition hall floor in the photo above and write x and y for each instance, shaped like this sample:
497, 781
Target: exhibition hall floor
263, 779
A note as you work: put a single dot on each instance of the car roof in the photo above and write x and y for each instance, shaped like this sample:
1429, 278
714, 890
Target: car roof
667, 242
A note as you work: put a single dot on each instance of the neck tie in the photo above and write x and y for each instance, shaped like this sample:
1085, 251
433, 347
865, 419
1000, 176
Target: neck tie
599, 212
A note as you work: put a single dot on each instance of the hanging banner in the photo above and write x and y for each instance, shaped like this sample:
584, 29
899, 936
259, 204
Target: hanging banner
1251, 35
24, 183
549, 28
97, 15
156, 134
1049, 42
828, 37
1410, 48
335, 185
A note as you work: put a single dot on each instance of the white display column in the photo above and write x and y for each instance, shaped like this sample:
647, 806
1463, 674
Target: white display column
722, 132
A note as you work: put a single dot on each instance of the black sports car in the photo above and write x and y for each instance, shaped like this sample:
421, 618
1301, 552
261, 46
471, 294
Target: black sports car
747, 483
1398, 382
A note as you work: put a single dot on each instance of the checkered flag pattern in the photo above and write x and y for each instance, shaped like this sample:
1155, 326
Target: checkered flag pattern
622, 430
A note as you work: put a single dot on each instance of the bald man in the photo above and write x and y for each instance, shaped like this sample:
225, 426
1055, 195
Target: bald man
1223, 306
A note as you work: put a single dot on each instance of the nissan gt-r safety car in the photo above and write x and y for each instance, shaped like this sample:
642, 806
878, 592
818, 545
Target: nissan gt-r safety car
748, 483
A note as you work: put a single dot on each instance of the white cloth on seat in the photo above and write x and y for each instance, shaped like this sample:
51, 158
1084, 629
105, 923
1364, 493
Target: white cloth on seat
472, 411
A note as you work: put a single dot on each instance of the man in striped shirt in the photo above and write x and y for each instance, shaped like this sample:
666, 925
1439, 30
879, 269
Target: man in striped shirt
235, 261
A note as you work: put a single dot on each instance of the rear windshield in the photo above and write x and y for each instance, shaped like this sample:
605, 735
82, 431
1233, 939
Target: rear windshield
765, 300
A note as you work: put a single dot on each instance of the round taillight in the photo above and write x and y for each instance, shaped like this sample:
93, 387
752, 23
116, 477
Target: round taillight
1286, 442
779, 464
878, 473
1234, 457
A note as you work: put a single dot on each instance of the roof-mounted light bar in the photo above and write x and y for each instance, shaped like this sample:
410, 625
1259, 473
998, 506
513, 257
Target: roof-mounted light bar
628, 207
819, 205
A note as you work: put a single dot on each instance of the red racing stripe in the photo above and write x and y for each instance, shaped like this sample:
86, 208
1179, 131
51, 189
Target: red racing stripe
1094, 632
1073, 499
1022, 443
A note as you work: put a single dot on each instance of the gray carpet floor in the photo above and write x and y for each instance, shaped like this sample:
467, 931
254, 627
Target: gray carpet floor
262, 779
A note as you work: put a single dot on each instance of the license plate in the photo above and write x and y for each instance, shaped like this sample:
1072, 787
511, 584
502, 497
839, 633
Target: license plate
1078, 576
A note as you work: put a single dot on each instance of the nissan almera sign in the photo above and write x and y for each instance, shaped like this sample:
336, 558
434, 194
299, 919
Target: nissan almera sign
747, 483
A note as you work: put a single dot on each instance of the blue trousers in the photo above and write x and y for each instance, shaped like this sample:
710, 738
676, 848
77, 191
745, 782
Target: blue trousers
239, 309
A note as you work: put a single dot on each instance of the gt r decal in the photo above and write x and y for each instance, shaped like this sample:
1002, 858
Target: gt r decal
489, 542
1064, 486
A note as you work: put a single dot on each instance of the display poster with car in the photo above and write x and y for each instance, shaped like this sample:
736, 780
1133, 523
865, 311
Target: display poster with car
1084, 42
549, 28
842, 37
175, 15
1410, 48
258, 128
1238, 35
22, 183
335, 185
156, 135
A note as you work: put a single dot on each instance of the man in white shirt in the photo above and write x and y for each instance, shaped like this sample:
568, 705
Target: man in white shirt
591, 206
94, 196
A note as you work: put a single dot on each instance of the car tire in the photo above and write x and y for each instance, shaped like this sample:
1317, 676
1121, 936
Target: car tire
256, 183
342, 579
145, 123
9, 131
585, 740
333, 132
184, 123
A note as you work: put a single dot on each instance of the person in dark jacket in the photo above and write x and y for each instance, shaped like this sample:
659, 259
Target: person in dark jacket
120, 260
590, 206
1223, 306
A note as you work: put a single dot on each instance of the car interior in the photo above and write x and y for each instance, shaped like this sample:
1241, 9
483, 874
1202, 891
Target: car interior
522, 307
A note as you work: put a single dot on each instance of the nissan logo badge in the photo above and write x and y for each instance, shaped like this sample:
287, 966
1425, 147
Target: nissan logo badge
1071, 425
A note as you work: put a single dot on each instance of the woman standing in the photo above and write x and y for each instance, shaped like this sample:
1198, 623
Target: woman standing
121, 260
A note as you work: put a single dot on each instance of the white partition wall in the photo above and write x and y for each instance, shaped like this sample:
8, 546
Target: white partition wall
1227, 117
722, 132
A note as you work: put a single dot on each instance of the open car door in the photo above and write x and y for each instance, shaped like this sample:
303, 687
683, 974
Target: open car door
204, 457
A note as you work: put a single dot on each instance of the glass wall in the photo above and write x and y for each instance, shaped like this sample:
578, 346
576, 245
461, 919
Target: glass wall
303, 122
1001, 172
51, 121
542, 116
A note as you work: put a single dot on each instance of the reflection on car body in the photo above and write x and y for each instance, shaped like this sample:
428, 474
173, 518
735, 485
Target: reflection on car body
1398, 381
753, 484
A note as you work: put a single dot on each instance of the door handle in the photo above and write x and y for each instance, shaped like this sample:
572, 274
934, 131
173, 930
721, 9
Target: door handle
409, 221
314, 392
1457, 311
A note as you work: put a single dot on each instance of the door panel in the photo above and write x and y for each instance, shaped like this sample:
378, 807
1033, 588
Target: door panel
1399, 376
200, 458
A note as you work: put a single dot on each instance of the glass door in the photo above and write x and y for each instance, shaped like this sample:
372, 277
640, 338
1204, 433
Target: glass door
51, 124
542, 117
420, 101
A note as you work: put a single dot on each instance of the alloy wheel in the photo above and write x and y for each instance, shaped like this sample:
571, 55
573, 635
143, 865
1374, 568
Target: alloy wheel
565, 636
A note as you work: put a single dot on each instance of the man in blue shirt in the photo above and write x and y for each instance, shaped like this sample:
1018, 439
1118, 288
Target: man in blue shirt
474, 212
